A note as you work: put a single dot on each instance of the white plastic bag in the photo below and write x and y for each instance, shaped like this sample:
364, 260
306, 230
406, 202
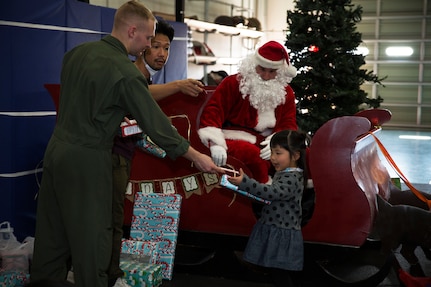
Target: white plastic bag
7, 239
28, 245
14, 255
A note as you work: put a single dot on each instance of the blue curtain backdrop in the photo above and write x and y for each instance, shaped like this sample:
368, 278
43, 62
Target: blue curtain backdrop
35, 35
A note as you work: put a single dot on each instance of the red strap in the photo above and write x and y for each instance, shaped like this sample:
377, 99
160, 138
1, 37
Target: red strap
400, 174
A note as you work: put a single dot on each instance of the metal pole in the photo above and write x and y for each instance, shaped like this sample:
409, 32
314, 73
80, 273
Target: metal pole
179, 10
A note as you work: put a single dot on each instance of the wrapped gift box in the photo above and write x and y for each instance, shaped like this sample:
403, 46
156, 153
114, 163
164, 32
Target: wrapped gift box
146, 250
141, 274
13, 279
156, 218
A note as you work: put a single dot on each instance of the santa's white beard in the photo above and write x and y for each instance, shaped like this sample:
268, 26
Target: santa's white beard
263, 95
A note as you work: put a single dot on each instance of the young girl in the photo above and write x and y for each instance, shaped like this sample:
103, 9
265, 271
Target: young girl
276, 240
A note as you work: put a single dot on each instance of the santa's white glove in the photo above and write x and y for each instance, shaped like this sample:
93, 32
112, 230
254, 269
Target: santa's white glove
265, 152
218, 154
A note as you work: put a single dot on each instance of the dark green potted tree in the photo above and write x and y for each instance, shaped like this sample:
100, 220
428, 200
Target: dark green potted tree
322, 40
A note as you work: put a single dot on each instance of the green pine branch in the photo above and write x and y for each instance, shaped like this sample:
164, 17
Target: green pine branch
329, 81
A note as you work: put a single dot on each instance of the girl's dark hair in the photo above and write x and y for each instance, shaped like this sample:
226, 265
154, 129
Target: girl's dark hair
294, 141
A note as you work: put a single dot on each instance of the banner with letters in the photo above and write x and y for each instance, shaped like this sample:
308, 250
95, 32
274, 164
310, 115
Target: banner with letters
189, 185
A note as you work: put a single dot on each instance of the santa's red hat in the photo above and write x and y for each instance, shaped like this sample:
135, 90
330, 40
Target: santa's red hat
272, 55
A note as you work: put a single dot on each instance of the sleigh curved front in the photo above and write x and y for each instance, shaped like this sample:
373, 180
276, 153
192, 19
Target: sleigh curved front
347, 175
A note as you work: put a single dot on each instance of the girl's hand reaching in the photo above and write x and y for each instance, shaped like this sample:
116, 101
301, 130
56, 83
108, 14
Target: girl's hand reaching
236, 179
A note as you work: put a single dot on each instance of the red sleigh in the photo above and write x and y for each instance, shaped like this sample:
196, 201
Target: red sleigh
341, 154
346, 171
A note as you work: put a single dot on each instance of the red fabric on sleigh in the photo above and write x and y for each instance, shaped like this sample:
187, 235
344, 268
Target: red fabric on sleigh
410, 281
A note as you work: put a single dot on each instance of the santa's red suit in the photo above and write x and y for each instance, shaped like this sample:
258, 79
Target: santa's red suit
229, 120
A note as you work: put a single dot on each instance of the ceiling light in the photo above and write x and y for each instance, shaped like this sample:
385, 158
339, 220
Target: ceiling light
401, 51
413, 137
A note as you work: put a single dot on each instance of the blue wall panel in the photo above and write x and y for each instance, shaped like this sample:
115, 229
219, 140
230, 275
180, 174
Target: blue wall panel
33, 66
46, 12
107, 16
5, 69
32, 134
84, 16
31, 56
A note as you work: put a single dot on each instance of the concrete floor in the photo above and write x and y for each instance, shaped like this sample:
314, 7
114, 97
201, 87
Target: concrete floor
411, 155
230, 272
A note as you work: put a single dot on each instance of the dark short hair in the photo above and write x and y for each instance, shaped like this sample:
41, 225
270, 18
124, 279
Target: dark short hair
164, 28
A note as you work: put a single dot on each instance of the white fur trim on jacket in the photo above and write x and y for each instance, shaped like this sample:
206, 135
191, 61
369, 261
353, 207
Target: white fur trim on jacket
265, 120
212, 134
239, 135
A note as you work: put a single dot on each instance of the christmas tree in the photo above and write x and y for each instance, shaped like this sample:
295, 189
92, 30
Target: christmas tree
322, 41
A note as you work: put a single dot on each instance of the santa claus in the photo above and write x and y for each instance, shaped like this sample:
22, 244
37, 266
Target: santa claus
247, 108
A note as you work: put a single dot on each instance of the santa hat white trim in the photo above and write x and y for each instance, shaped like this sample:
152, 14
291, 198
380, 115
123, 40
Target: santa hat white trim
239, 135
272, 55
213, 135
261, 61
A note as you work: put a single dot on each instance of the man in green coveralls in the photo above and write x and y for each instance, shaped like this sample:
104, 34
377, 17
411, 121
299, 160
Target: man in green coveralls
99, 86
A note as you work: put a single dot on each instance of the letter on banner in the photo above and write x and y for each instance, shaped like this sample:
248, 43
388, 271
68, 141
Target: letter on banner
210, 178
168, 187
147, 187
190, 183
